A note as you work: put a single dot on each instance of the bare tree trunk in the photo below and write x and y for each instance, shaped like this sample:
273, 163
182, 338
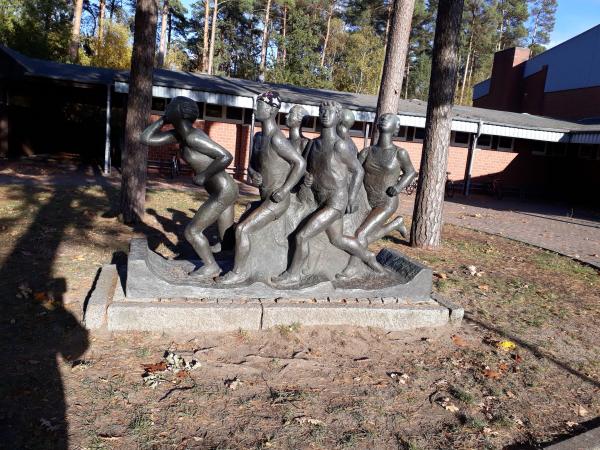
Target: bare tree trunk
284, 44
74, 44
406, 81
162, 47
213, 33
139, 102
101, 14
390, 89
265, 37
329, 16
205, 42
466, 73
426, 229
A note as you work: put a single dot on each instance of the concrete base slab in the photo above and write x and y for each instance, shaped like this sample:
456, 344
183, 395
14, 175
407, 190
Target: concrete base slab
109, 307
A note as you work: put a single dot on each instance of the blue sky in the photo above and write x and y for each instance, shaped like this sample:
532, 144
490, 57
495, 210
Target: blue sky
574, 17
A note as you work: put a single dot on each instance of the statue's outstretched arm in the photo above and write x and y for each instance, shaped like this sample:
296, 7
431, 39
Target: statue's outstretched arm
152, 135
362, 156
286, 150
200, 142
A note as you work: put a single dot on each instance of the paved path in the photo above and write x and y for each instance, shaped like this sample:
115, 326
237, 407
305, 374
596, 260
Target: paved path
556, 227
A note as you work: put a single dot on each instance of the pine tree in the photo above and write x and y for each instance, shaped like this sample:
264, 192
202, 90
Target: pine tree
512, 16
543, 17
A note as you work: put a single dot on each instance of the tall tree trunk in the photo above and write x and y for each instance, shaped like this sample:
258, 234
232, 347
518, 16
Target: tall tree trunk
426, 229
213, 33
284, 43
74, 44
265, 38
390, 89
329, 16
139, 102
204, 67
162, 47
101, 14
406, 80
112, 10
467, 67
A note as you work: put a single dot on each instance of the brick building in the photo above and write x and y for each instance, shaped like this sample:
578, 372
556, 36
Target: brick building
563, 82
49, 107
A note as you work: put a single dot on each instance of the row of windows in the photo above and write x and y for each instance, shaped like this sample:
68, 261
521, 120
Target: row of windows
234, 114
560, 150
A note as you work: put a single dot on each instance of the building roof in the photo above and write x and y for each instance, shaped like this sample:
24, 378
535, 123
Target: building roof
413, 111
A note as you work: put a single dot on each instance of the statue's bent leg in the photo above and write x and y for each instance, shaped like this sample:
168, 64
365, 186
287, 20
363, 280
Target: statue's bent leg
266, 213
319, 222
225, 221
206, 215
352, 246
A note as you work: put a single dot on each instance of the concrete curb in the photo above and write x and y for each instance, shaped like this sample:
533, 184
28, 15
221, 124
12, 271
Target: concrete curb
95, 312
590, 440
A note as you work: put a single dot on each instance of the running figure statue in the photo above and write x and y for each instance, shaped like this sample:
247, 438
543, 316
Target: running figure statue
276, 168
294, 123
209, 161
388, 171
335, 175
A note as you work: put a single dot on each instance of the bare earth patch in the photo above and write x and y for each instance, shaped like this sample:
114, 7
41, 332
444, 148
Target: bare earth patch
523, 370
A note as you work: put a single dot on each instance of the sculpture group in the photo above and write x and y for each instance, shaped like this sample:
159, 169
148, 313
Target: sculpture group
308, 188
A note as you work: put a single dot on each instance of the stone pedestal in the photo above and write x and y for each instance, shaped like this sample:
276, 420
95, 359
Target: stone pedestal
155, 294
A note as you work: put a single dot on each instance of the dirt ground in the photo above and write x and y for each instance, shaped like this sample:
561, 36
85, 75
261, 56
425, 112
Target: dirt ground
522, 371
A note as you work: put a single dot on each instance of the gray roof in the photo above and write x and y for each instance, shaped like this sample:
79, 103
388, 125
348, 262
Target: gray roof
23, 66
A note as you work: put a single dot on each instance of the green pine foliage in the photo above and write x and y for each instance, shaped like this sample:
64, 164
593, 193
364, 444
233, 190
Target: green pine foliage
297, 52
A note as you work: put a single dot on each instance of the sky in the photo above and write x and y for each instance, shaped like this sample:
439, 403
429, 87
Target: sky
574, 17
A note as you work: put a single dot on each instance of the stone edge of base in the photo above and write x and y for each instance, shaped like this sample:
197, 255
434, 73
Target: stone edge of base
589, 440
456, 312
100, 297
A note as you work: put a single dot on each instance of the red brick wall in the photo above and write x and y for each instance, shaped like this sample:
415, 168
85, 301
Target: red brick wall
572, 104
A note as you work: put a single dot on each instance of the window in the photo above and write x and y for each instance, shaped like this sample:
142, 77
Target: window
357, 129
588, 152
484, 141
402, 132
308, 123
159, 104
200, 110
538, 148
247, 117
556, 149
419, 134
460, 139
215, 111
234, 113
506, 144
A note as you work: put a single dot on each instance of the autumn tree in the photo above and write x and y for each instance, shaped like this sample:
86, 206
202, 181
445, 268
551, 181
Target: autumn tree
74, 44
426, 229
139, 100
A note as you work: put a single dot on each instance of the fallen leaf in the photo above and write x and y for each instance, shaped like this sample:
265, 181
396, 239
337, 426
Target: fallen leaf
458, 341
452, 408
233, 383
518, 358
308, 420
503, 367
581, 411
441, 275
157, 367
492, 374
510, 394
507, 345
483, 287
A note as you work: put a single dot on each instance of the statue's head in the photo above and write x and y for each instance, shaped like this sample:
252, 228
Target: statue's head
347, 119
389, 123
181, 108
295, 116
330, 113
267, 105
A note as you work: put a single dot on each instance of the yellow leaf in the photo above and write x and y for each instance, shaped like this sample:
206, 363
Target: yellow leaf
507, 345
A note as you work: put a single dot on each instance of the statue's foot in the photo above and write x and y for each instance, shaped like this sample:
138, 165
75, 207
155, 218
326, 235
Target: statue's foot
216, 248
206, 272
286, 279
374, 264
351, 271
232, 278
398, 223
